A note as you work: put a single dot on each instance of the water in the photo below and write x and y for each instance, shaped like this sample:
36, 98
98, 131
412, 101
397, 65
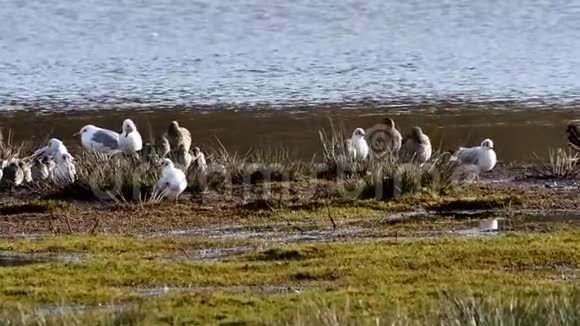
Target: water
57, 54
12, 259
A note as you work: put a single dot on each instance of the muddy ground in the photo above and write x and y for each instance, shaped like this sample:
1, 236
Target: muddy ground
291, 210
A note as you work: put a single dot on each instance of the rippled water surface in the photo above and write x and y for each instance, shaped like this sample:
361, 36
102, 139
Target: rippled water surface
98, 53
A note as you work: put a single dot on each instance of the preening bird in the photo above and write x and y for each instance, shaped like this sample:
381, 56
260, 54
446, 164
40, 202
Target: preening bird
130, 139
483, 156
172, 181
357, 145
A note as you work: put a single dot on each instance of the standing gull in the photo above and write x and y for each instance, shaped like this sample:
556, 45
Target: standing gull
177, 135
416, 147
172, 181
99, 140
483, 156
357, 145
130, 139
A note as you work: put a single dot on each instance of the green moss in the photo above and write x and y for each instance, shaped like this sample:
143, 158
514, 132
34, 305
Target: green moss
376, 274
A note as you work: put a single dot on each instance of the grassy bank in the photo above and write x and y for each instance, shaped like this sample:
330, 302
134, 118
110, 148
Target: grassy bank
293, 283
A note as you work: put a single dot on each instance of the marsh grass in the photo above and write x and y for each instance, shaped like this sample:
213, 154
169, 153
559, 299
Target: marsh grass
337, 163
391, 179
118, 177
559, 308
466, 308
561, 164
274, 164
9, 149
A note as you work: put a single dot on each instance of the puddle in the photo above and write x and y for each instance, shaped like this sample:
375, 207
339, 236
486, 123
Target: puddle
72, 309
10, 258
210, 254
272, 235
255, 289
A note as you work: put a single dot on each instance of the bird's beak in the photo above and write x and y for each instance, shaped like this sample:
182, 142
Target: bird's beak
77, 133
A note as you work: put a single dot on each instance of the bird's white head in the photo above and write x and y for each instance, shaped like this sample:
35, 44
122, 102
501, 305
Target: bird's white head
487, 143
85, 129
196, 151
54, 143
165, 163
129, 126
358, 133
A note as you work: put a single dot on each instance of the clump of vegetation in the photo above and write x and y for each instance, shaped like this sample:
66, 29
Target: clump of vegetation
289, 254
559, 308
392, 179
337, 163
257, 166
562, 164
480, 203
117, 177
11, 150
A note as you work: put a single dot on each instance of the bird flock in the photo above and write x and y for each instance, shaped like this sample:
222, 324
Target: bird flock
174, 155
385, 138
54, 162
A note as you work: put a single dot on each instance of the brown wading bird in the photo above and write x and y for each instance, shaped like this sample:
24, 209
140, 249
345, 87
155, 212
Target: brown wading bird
416, 147
573, 137
199, 163
177, 136
182, 158
389, 136
163, 147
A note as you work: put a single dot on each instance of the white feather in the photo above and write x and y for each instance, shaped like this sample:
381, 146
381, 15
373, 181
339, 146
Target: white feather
99, 140
483, 156
130, 139
172, 181
65, 170
357, 145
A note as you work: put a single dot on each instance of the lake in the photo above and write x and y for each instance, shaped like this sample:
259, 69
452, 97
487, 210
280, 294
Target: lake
100, 54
